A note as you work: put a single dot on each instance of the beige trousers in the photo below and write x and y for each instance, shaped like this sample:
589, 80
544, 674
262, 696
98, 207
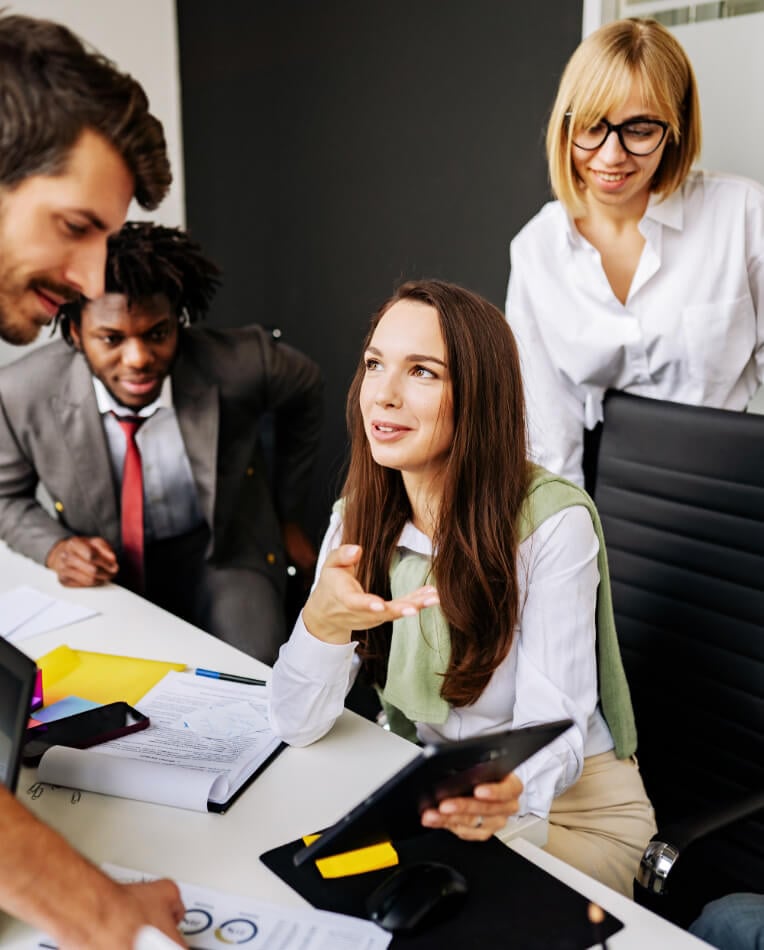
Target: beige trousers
602, 824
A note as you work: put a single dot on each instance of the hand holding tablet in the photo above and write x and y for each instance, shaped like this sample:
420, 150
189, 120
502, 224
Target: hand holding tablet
477, 815
447, 771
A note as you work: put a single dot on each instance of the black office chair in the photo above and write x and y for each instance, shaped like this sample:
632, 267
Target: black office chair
680, 490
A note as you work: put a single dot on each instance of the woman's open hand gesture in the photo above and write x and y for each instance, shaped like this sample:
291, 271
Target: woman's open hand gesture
338, 604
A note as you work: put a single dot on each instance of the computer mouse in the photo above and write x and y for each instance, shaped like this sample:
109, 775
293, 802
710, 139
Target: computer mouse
417, 896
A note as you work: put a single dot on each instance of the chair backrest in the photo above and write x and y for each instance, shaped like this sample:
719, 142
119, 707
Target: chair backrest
680, 490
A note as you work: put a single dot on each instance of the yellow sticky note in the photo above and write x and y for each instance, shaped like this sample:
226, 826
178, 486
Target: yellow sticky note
100, 677
359, 861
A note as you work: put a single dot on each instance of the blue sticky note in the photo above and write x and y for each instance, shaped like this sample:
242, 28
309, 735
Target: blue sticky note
64, 707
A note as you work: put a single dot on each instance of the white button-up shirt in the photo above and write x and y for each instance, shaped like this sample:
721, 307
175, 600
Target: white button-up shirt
171, 507
549, 673
691, 330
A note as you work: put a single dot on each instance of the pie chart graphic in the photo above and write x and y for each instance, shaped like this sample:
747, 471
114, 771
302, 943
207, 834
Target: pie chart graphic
195, 921
236, 931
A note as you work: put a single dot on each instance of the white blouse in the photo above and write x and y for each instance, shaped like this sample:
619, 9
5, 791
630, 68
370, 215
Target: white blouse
549, 673
691, 330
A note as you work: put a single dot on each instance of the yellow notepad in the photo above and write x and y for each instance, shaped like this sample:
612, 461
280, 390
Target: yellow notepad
359, 861
100, 677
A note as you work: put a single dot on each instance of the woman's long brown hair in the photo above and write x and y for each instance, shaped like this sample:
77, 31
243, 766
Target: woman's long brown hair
485, 480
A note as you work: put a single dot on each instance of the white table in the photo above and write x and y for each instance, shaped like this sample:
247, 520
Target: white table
304, 789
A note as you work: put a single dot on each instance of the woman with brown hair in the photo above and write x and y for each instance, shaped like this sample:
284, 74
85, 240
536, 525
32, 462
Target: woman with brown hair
644, 276
464, 581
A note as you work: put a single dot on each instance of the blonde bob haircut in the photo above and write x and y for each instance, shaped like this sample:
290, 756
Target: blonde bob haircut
599, 78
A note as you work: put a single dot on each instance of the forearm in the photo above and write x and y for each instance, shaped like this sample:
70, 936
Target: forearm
79, 906
76, 899
26, 527
308, 686
550, 772
556, 661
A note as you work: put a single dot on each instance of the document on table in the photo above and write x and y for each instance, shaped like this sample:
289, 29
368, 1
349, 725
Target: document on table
214, 919
26, 611
207, 738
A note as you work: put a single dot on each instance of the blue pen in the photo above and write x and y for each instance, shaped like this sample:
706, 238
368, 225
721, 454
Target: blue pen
231, 677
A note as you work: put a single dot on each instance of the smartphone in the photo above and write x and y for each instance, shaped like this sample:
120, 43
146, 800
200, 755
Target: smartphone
82, 730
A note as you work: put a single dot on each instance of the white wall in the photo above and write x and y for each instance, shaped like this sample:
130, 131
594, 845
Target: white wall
728, 58
140, 36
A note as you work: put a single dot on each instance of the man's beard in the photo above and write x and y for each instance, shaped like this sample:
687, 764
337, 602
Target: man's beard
16, 326
21, 319
17, 334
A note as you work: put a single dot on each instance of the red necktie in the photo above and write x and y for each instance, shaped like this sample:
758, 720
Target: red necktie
132, 506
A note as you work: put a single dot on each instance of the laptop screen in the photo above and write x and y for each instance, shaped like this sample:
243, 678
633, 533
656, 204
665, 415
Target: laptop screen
17, 679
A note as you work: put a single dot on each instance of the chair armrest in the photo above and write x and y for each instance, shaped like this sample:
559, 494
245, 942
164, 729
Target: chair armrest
665, 848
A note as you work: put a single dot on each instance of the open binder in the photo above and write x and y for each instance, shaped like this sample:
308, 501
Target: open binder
208, 740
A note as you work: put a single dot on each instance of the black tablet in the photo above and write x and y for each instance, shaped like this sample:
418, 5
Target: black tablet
17, 680
440, 771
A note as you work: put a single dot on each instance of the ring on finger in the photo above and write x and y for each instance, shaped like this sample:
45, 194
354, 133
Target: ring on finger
478, 822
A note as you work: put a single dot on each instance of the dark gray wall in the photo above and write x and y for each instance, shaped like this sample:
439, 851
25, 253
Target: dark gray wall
333, 148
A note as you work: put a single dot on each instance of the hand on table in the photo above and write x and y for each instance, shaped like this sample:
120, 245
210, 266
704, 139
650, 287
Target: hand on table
83, 562
125, 911
158, 904
482, 814
338, 604
149, 938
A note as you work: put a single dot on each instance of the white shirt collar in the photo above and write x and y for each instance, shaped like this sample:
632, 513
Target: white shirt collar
575, 238
107, 403
415, 540
668, 211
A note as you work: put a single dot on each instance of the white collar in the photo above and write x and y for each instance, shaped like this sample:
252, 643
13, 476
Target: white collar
107, 403
667, 211
415, 540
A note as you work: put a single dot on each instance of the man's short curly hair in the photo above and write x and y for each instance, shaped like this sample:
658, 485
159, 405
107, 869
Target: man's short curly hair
146, 259
52, 88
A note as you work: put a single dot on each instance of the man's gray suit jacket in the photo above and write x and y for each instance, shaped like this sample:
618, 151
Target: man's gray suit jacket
223, 382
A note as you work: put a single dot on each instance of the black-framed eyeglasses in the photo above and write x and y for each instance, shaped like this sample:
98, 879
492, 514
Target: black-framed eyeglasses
637, 136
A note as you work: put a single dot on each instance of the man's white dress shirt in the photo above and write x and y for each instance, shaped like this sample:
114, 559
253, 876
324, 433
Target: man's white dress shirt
549, 673
691, 330
171, 507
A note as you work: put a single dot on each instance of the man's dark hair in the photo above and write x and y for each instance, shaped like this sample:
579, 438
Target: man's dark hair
145, 259
53, 88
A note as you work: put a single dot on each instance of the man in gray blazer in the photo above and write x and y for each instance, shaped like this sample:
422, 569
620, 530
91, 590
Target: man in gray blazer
77, 142
216, 515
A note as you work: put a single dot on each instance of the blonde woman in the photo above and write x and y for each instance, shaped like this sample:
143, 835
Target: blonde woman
644, 275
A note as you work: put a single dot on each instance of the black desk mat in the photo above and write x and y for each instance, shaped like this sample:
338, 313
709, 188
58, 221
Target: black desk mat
512, 904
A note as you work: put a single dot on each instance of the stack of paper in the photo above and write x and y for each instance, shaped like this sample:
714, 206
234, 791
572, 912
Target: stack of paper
25, 612
215, 919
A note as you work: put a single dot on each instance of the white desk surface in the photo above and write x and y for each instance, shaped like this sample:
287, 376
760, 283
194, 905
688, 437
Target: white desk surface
304, 789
